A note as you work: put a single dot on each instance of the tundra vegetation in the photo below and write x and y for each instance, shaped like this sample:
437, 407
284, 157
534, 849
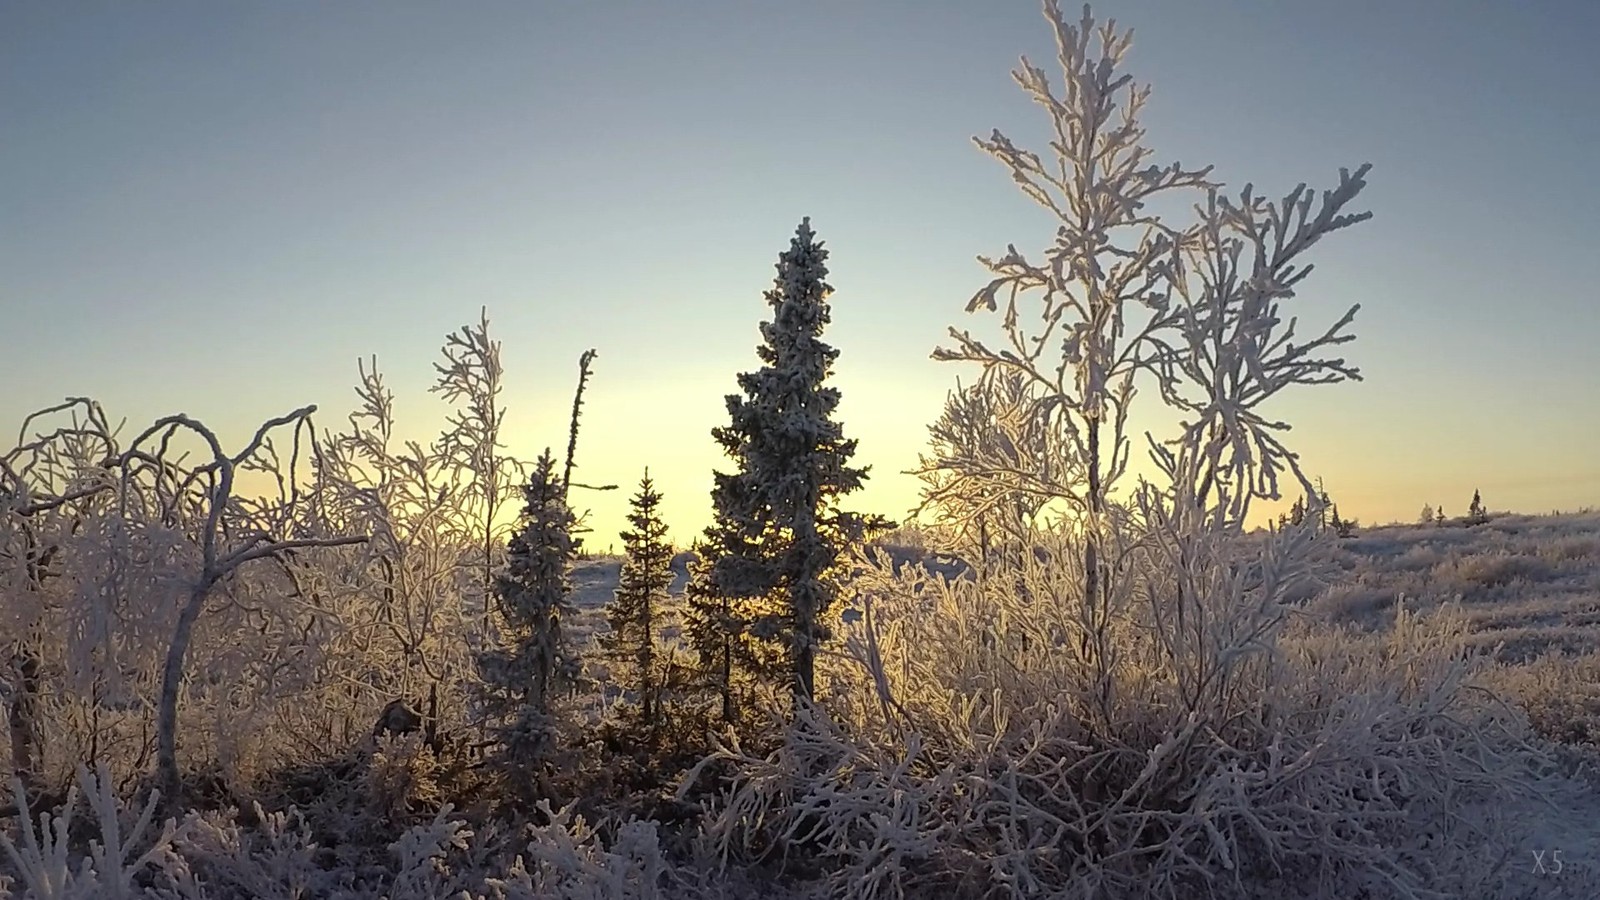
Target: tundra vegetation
330, 663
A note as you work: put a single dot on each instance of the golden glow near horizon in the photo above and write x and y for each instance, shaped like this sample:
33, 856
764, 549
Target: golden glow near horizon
256, 226
665, 424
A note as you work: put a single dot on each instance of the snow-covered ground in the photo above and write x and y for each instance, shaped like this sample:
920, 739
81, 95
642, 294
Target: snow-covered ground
1530, 589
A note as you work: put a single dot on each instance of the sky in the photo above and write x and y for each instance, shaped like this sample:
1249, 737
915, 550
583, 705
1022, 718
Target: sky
219, 208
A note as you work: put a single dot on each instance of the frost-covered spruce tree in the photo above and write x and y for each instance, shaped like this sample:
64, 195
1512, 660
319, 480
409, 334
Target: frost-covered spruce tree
1476, 514
531, 595
778, 529
714, 627
642, 588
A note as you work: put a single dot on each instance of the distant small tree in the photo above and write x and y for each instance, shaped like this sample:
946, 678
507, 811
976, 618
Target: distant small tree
532, 594
1297, 513
1476, 514
645, 580
1438, 516
1426, 517
1343, 527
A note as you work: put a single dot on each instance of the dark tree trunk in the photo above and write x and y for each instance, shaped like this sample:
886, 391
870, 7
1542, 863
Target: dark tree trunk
167, 778
22, 712
647, 655
727, 679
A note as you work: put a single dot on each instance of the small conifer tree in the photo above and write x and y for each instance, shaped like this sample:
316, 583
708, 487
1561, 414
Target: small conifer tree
1426, 517
1342, 527
1476, 514
642, 588
715, 626
532, 597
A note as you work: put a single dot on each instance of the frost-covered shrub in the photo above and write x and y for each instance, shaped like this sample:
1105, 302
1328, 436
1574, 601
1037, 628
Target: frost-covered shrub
1418, 559
981, 757
1360, 604
219, 859
49, 864
216, 856
1125, 701
402, 777
565, 859
139, 568
1571, 549
1560, 694
1478, 571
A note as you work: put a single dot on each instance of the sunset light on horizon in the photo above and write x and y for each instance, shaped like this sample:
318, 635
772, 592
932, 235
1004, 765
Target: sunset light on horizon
848, 450
219, 209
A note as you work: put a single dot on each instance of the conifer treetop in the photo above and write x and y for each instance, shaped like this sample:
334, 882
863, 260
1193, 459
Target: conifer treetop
778, 530
783, 425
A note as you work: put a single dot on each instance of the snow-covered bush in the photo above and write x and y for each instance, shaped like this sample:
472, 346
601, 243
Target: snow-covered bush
239, 602
435, 513
130, 570
1131, 706
1559, 693
48, 866
993, 465
1480, 571
566, 860
970, 750
212, 856
402, 777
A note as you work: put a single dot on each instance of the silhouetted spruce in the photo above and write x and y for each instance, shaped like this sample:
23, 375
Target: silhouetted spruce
778, 531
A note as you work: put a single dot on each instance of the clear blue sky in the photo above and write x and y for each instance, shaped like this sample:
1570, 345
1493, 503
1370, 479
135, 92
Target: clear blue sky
218, 207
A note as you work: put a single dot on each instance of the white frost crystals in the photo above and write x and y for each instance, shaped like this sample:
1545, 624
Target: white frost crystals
1123, 700
1113, 689
1124, 296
